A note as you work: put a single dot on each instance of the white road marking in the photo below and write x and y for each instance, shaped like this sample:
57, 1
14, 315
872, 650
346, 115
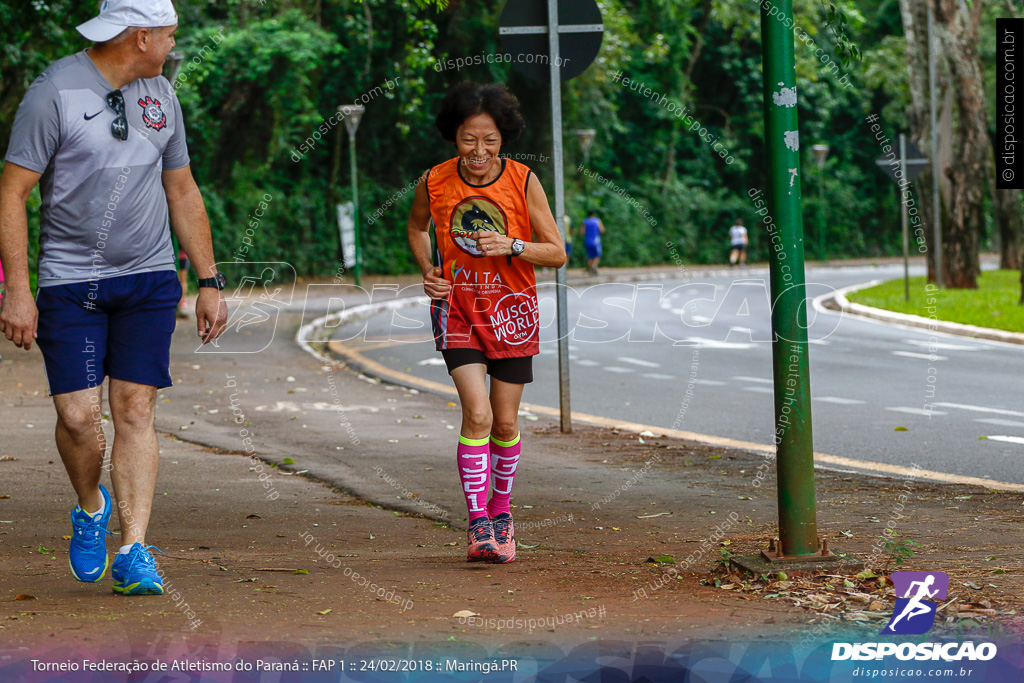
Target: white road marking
759, 390
924, 356
916, 411
293, 407
657, 375
941, 346
762, 380
709, 382
840, 401
637, 361
587, 363
715, 344
999, 422
1007, 439
616, 368
823, 342
982, 409
431, 361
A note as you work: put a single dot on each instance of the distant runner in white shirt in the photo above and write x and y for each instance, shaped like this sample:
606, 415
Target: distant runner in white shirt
738, 241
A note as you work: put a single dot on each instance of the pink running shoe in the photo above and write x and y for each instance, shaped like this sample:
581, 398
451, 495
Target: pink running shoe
481, 541
504, 537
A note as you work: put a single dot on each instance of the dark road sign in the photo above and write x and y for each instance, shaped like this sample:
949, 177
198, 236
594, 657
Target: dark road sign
915, 163
524, 34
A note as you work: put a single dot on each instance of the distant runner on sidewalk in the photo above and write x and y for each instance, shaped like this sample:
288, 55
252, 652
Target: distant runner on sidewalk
102, 132
493, 225
738, 244
593, 228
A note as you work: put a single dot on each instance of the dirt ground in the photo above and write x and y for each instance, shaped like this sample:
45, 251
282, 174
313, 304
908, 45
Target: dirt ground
247, 567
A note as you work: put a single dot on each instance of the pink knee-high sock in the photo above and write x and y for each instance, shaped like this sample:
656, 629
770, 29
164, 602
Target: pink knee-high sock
504, 458
474, 473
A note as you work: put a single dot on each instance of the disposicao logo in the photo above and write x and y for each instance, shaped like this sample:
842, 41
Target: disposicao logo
914, 614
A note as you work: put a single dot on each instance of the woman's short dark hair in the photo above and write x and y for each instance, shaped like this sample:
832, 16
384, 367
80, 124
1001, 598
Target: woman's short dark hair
469, 99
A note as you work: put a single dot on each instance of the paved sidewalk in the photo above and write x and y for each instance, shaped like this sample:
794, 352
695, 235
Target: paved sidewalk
371, 480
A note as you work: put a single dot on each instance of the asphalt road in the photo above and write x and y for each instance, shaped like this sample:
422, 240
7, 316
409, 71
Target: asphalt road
636, 349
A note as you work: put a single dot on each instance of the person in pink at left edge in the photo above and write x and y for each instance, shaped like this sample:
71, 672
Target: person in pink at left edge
1, 291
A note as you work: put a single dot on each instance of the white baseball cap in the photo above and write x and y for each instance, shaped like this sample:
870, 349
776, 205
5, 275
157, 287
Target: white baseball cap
117, 15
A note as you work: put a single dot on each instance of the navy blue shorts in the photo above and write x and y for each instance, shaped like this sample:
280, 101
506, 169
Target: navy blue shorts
593, 249
118, 326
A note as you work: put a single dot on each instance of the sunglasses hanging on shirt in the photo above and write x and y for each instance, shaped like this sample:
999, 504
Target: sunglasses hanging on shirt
119, 127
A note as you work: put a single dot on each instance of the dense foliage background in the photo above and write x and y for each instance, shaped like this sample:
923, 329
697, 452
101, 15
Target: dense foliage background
272, 71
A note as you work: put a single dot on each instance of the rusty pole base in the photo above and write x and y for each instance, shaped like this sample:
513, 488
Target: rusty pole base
775, 554
774, 560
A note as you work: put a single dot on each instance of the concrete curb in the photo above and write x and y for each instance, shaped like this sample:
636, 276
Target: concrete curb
838, 302
319, 331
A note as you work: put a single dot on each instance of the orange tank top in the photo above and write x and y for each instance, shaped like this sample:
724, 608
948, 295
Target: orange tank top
493, 301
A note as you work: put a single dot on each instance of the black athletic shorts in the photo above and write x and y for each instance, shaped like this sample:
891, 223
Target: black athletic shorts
511, 370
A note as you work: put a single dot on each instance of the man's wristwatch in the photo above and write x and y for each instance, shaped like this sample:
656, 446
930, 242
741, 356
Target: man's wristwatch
218, 281
517, 247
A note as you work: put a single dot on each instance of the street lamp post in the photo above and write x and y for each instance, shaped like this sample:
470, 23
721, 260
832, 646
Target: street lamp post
352, 114
586, 139
820, 154
172, 64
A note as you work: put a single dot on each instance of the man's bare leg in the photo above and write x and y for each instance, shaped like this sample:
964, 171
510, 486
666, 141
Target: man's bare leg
81, 442
134, 456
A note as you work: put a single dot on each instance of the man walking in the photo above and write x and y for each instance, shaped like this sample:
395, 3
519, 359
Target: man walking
102, 132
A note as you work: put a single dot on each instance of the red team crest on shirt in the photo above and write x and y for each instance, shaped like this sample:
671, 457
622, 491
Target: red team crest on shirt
152, 113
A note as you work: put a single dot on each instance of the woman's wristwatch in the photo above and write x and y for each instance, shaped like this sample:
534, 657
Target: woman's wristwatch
517, 247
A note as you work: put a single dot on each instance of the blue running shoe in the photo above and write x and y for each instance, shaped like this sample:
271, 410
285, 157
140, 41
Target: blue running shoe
134, 572
87, 554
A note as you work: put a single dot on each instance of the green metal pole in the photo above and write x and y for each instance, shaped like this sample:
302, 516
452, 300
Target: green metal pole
355, 208
821, 212
798, 528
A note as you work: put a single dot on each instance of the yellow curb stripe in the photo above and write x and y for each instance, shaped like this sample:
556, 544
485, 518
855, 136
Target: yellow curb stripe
897, 471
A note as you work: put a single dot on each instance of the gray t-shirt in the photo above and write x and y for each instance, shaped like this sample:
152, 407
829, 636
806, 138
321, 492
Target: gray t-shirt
104, 210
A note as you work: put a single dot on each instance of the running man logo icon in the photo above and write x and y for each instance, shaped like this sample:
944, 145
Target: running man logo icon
914, 612
263, 290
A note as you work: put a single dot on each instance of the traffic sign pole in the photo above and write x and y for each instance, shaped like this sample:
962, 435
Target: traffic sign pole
903, 221
934, 121
564, 405
570, 48
911, 163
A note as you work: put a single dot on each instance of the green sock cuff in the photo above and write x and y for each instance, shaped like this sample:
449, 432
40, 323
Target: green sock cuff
472, 442
506, 444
